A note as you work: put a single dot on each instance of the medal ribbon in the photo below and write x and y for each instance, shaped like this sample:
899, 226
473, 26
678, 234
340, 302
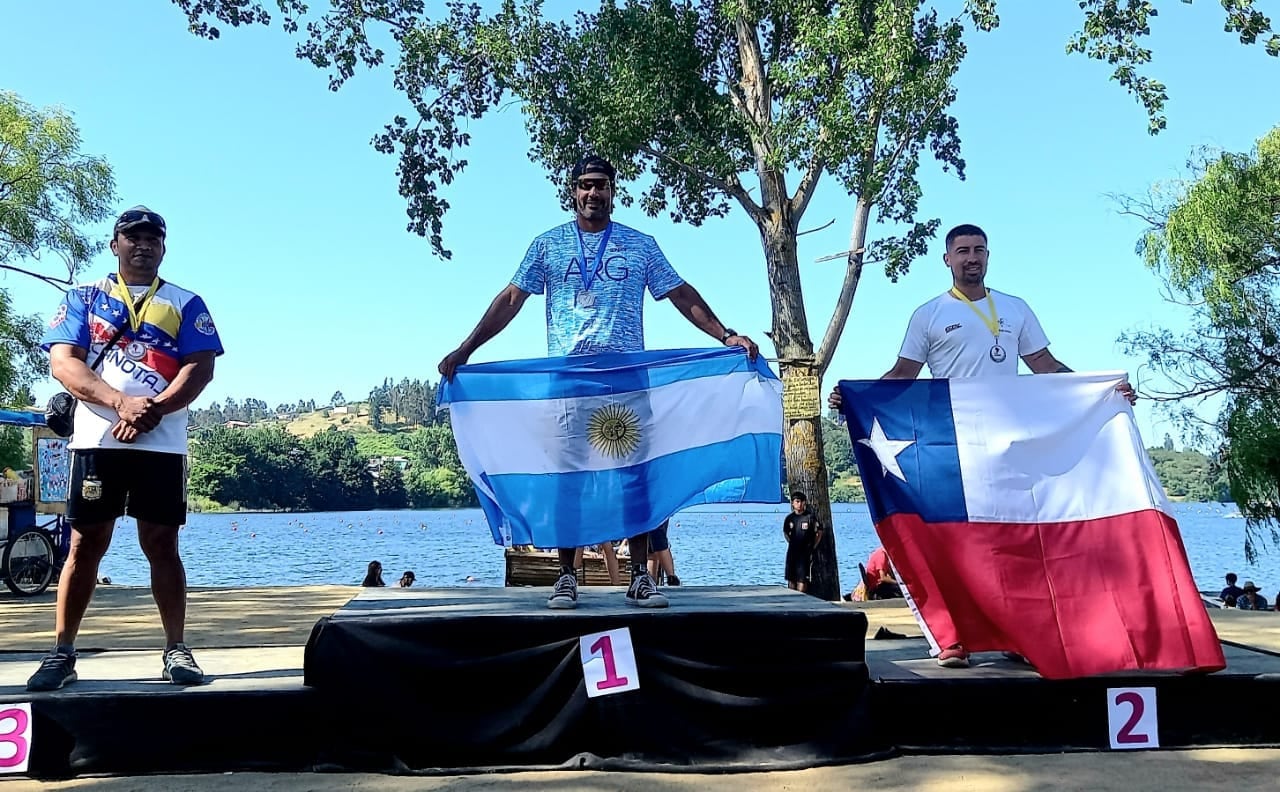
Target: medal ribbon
992, 322
121, 290
589, 273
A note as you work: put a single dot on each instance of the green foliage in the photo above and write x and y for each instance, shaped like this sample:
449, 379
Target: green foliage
1113, 32
390, 487
380, 445
1186, 475
439, 487
337, 477
15, 451
49, 190
1216, 240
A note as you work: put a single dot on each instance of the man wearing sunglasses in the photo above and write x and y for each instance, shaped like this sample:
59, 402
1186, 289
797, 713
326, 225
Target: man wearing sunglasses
152, 347
594, 272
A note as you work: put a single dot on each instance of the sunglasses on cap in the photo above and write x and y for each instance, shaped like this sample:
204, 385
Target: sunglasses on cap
137, 217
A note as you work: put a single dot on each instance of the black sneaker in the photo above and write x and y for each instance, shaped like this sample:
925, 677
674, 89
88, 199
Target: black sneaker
56, 670
180, 667
672, 580
644, 593
565, 595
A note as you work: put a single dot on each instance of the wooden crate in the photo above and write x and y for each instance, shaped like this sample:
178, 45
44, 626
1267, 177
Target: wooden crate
542, 568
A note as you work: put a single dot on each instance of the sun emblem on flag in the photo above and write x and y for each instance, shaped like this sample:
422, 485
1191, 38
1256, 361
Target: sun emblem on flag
614, 430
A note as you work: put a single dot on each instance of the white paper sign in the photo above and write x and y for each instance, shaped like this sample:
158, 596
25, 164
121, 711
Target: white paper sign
15, 737
608, 662
1131, 718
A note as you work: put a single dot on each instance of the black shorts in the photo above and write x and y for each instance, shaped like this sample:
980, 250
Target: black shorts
146, 485
798, 565
658, 539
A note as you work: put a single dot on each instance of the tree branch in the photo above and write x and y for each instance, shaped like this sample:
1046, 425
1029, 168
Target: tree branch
730, 186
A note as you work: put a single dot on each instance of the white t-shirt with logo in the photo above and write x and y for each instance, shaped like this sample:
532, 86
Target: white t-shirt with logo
948, 336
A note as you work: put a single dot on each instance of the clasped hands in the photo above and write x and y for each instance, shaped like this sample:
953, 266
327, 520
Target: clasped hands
138, 414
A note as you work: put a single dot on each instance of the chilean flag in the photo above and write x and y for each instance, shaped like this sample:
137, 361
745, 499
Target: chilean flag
1023, 515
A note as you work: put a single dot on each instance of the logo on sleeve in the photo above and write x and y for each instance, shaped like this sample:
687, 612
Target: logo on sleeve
59, 316
951, 327
204, 323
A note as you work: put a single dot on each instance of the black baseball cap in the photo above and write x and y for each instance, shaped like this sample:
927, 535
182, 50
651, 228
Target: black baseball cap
592, 164
137, 217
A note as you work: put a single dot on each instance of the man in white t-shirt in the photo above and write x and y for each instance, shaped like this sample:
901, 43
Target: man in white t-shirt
972, 331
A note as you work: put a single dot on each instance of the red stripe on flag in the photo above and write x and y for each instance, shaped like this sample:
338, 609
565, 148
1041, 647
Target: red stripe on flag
1074, 598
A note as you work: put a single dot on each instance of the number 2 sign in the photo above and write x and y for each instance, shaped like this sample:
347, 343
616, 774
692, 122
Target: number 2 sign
15, 737
1131, 718
608, 662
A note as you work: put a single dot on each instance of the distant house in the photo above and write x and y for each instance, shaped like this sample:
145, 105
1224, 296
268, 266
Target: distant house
236, 424
376, 463
343, 410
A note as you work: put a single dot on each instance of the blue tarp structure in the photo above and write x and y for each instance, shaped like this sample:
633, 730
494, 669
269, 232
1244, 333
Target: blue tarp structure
21, 418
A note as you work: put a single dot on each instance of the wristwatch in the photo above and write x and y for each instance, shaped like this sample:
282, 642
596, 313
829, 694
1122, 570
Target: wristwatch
728, 333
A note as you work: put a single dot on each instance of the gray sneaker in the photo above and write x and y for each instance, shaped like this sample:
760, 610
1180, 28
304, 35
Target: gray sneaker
565, 595
644, 593
56, 670
180, 667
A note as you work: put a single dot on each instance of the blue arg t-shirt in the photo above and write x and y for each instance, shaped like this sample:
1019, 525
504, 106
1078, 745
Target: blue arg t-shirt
609, 316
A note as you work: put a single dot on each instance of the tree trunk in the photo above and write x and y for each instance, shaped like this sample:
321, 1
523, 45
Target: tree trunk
802, 441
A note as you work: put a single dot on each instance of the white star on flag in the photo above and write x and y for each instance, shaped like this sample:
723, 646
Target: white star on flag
886, 450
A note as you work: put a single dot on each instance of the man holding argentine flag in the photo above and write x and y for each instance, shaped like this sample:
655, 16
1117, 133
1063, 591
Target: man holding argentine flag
594, 272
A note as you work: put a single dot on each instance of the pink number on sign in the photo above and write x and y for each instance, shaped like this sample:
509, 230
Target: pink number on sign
17, 737
1126, 735
611, 679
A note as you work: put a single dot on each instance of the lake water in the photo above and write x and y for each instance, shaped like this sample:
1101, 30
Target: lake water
712, 546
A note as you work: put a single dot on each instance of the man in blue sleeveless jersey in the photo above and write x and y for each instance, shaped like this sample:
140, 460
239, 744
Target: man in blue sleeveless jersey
594, 272
129, 441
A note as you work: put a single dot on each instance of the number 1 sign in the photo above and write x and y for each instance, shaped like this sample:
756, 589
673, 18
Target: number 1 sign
1131, 718
608, 662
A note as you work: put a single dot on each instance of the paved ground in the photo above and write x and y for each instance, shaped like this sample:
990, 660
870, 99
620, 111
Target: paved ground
1226, 768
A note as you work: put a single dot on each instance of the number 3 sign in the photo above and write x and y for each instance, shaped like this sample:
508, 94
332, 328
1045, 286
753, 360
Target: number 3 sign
15, 737
1131, 718
608, 662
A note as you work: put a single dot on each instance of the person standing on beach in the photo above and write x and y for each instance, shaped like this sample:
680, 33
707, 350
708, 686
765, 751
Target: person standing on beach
129, 441
972, 331
594, 272
803, 533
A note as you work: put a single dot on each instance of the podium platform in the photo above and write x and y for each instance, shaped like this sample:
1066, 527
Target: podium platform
484, 677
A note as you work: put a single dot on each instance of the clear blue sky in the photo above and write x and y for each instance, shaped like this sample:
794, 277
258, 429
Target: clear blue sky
285, 219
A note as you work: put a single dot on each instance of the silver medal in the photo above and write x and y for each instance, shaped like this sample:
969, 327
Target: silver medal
997, 354
586, 299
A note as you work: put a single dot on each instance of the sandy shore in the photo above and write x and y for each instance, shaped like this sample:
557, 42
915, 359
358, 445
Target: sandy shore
1223, 768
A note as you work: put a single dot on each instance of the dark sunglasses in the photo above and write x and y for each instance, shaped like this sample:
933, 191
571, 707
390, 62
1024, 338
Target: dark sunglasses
600, 184
135, 216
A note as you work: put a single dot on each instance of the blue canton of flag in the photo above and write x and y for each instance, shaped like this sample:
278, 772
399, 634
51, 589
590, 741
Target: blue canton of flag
904, 441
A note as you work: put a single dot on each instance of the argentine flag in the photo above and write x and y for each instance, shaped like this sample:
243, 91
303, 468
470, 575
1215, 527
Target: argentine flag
574, 451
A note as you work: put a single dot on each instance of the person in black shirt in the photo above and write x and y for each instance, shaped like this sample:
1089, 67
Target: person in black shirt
1232, 592
803, 532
